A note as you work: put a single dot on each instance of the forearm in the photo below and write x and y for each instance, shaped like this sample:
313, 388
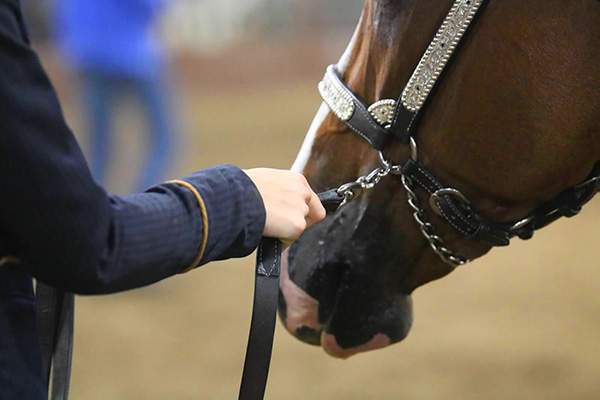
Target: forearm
211, 214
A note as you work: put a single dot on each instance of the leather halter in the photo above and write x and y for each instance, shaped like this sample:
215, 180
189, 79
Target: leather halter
387, 120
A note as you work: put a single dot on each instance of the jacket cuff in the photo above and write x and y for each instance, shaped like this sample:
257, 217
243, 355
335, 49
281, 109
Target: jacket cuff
235, 212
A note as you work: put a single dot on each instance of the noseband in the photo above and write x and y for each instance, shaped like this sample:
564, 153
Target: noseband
388, 120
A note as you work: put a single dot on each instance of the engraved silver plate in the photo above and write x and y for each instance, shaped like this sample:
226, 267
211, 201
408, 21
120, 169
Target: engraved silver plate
383, 111
438, 53
337, 99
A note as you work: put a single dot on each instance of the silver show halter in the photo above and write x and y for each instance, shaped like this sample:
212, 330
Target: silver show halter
384, 113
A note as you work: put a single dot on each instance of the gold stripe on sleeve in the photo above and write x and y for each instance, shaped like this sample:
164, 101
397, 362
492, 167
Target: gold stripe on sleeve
204, 222
9, 260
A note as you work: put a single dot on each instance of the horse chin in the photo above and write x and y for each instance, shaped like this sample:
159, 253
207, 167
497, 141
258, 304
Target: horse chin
330, 303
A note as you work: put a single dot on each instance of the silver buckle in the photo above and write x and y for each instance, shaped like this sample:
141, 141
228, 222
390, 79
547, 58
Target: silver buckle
435, 198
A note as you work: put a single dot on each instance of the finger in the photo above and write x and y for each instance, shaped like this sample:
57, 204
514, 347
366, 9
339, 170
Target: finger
316, 211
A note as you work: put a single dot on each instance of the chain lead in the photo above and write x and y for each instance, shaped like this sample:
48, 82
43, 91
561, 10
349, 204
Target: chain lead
352, 190
428, 230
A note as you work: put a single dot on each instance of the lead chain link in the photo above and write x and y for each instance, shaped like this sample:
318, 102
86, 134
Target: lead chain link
353, 190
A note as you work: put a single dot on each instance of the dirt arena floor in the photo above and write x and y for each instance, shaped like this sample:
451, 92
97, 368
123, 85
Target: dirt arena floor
521, 323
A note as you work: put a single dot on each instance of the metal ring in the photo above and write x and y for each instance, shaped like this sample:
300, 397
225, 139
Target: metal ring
384, 162
394, 169
435, 197
589, 181
413, 149
522, 223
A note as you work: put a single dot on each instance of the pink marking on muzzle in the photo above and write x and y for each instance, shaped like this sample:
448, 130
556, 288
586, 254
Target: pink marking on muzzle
332, 348
302, 309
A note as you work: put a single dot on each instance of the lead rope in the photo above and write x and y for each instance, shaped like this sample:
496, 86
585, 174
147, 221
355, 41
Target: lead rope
262, 325
55, 315
264, 309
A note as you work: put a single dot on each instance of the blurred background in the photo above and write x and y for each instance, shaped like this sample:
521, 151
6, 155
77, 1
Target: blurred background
234, 81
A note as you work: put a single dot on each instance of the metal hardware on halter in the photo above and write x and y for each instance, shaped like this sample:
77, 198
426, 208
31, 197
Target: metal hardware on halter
522, 223
435, 197
350, 191
594, 180
353, 190
396, 169
438, 53
383, 111
428, 230
337, 99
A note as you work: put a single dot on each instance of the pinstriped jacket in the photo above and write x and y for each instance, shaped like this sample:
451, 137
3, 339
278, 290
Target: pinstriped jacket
61, 227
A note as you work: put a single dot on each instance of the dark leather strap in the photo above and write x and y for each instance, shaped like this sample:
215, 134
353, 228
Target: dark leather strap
331, 200
567, 204
46, 299
63, 353
264, 312
361, 121
262, 326
455, 211
404, 124
55, 311
467, 220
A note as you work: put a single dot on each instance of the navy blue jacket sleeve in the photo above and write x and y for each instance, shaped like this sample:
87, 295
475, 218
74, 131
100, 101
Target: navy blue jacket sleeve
67, 230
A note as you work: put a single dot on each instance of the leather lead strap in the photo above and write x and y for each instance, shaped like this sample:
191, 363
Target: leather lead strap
264, 311
264, 315
46, 299
55, 314
63, 353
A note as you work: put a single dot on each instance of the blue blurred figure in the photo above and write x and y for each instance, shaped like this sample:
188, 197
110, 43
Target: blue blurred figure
113, 45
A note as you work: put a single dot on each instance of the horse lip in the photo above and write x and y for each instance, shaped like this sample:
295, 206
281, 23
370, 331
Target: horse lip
332, 348
306, 315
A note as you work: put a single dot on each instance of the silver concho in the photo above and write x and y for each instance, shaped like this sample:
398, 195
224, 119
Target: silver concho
438, 53
383, 111
336, 98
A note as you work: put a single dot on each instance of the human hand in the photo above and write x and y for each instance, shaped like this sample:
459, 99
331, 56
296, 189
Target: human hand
290, 203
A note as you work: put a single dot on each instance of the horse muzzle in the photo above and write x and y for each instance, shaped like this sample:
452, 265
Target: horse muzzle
330, 298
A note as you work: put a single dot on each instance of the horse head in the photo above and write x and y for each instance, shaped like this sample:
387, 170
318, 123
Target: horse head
514, 122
